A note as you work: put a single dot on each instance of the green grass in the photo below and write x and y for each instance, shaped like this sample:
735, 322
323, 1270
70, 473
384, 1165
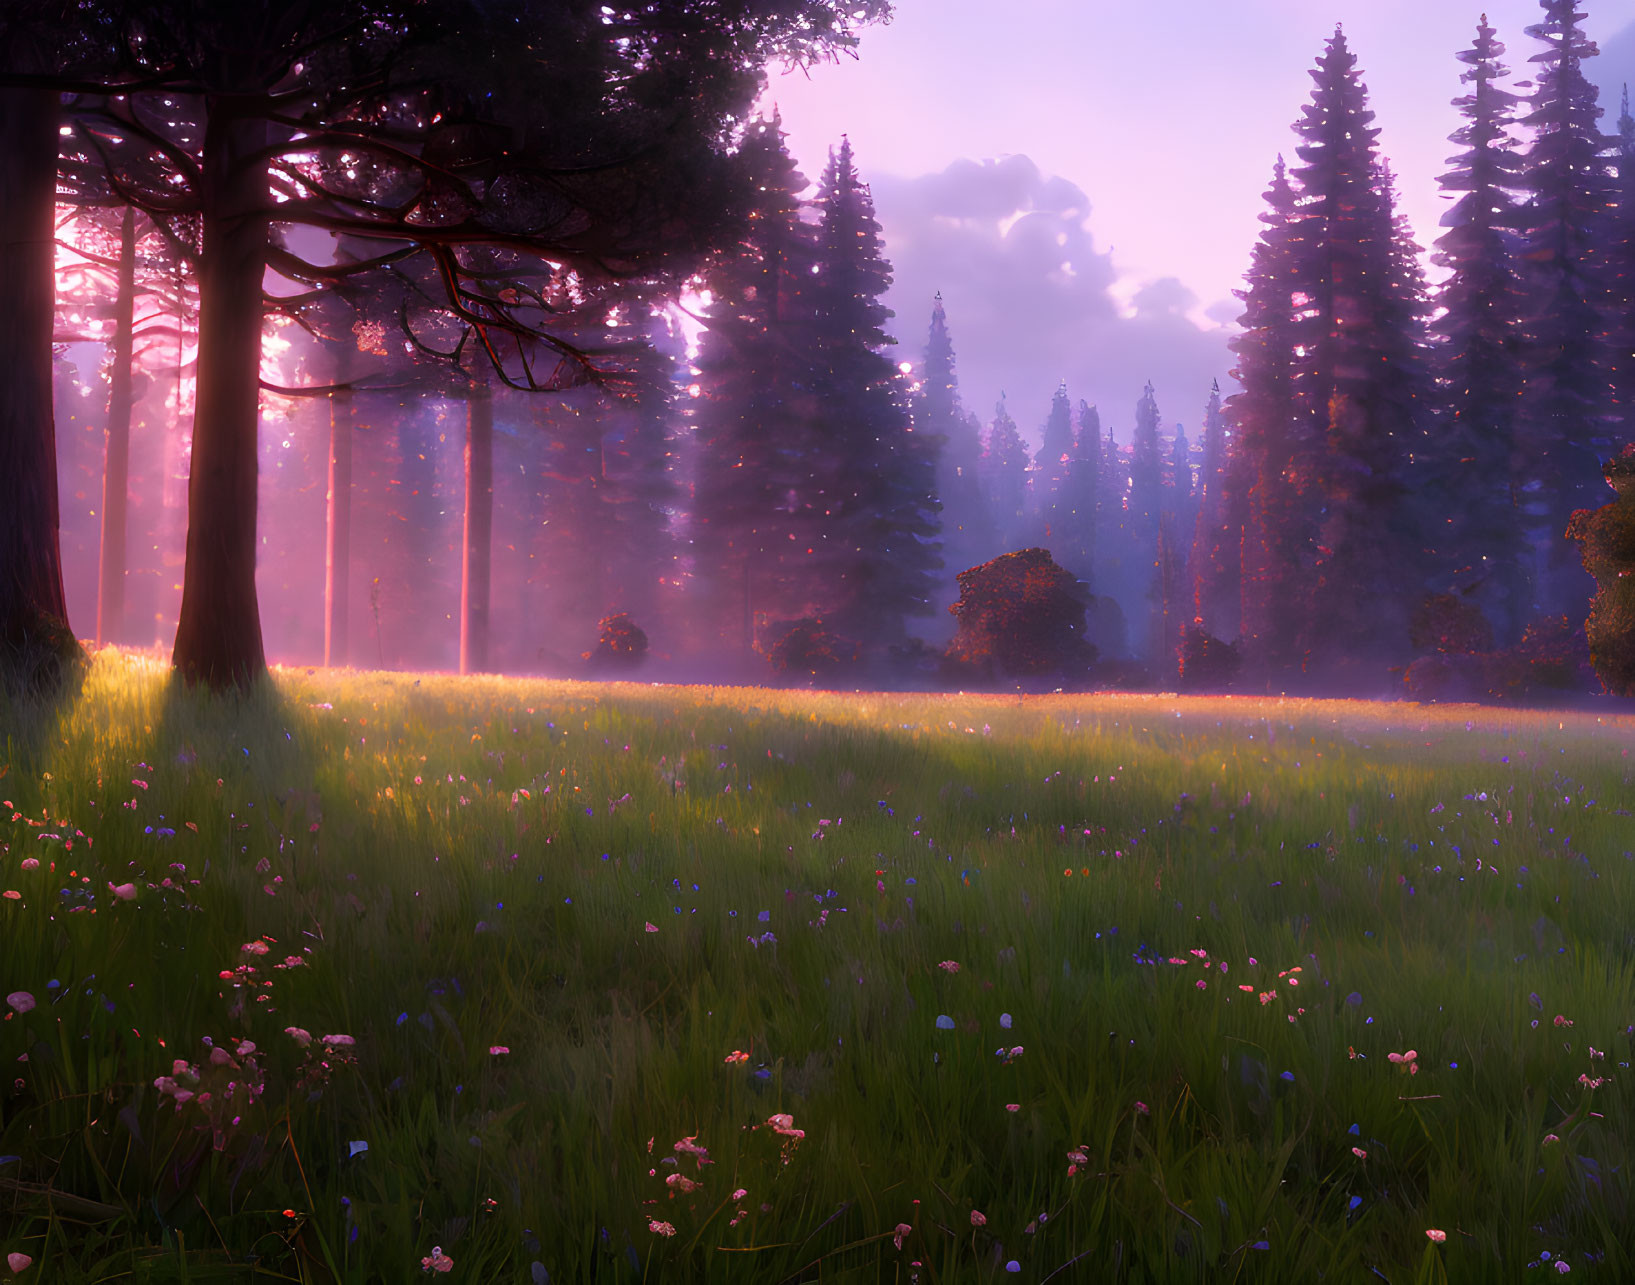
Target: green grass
467, 864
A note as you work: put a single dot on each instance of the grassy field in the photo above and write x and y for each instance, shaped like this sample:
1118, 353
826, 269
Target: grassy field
370, 975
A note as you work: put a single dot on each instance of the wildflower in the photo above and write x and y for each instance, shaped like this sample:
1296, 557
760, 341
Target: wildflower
19, 1263
740, 1193
784, 1124
339, 1041
903, 1229
688, 1146
11, 894
497, 1050
1561, 1267
652, 927
253, 948
1563, 1021
1202, 984
1549, 1138
301, 1038
31, 863
736, 1057
949, 966
436, 1261
1013, 1107
20, 1001
978, 1218
1143, 1108
682, 1183
124, 891
1359, 1153
1436, 1237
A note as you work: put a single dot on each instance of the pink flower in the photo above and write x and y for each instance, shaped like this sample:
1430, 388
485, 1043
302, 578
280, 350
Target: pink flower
1013, 1107
903, 1229
18, 1263
652, 928
660, 1229
31, 863
21, 1001
682, 1183
949, 966
978, 1218
497, 1050
740, 1193
436, 1261
1143, 1108
11, 894
301, 1038
124, 891
1359, 1153
1550, 1138
1202, 984
341, 1042
1436, 1237
254, 948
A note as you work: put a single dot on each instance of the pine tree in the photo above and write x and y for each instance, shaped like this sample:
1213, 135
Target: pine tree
967, 528
1075, 533
1113, 560
1143, 522
1004, 473
638, 485
1620, 279
1564, 225
1361, 382
1276, 447
1217, 542
878, 479
1048, 473
755, 440
1479, 365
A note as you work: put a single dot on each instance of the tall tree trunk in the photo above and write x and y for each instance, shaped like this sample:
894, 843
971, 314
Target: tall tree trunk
218, 635
116, 469
479, 527
33, 607
338, 559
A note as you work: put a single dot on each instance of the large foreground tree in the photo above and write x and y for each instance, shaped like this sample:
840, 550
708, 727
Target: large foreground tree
515, 168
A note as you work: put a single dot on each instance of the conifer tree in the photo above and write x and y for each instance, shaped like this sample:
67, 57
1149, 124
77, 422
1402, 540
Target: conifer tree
1004, 473
1048, 472
1075, 531
877, 477
755, 439
1277, 447
1113, 560
1217, 542
1564, 226
1361, 380
1143, 521
967, 529
1620, 279
1478, 364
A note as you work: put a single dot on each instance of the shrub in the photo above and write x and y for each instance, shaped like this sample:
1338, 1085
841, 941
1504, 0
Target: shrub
1207, 662
1449, 625
1607, 537
1020, 616
809, 647
620, 643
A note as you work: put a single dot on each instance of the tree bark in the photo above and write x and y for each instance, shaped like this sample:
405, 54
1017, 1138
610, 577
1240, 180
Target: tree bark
116, 468
218, 634
479, 527
338, 558
33, 607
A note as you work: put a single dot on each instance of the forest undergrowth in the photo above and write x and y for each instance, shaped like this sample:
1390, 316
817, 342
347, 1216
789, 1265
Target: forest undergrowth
369, 975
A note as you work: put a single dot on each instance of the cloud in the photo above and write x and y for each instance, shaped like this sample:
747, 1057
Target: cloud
1031, 299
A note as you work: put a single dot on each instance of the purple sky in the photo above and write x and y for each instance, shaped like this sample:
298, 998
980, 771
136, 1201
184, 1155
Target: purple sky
1134, 141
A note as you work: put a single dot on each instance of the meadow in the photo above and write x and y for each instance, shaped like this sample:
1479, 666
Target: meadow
366, 976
